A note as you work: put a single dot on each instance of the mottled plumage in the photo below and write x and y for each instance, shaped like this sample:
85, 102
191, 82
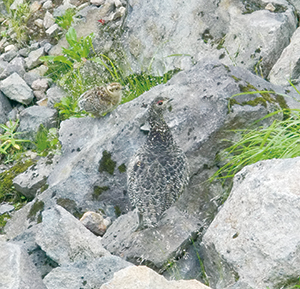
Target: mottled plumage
158, 172
101, 99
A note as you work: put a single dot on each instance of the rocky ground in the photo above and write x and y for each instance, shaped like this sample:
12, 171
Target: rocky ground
78, 229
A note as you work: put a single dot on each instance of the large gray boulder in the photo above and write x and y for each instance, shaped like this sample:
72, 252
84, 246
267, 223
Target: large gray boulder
85, 274
254, 240
17, 270
5, 108
15, 88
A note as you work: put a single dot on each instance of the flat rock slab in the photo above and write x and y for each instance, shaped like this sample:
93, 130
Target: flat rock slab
85, 274
255, 237
17, 270
153, 246
65, 239
138, 277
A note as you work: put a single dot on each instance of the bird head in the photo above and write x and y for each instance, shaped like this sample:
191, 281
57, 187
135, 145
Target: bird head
115, 89
159, 104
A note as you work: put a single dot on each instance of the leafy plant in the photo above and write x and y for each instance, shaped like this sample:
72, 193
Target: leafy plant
47, 141
68, 108
9, 143
65, 20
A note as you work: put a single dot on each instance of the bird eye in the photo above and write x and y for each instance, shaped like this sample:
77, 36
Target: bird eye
160, 102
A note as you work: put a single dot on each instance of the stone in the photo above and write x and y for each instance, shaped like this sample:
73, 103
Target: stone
32, 117
15, 88
35, 6
15, 4
137, 277
35, 177
6, 208
47, 47
16, 65
40, 70
171, 236
17, 270
52, 30
91, 274
48, 5
54, 95
10, 47
253, 242
24, 52
39, 23
8, 56
95, 222
41, 84
49, 20
39, 95
287, 66
33, 58
5, 108
97, 2
30, 77
66, 240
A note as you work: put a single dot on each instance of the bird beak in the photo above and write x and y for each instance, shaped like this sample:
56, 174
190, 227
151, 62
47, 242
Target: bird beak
169, 100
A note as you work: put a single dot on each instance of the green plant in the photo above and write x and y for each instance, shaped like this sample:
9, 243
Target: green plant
65, 20
9, 143
47, 141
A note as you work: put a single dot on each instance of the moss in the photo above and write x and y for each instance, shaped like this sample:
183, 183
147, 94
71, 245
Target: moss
206, 36
106, 163
3, 219
256, 101
98, 191
44, 188
233, 101
70, 206
236, 79
122, 168
220, 44
37, 207
117, 211
7, 191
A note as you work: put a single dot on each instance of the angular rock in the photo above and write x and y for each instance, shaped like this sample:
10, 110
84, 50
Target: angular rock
17, 270
8, 56
16, 65
49, 20
253, 242
137, 277
48, 5
32, 117
34, 177
89, 274
95, 222
171, 236
33, 58
52, 30
30, 77
15, 88
5, 108
287, 66
66, 240
54, 95
6, 208
40, 84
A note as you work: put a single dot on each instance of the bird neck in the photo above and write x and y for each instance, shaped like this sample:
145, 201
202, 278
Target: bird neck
159, 130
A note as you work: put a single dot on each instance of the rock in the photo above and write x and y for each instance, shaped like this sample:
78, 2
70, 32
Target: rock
16, 65
91, 274
95, 223
15, 4
33, 58
54, 95
8, 56
48, 5
52, 30
47, 47
66, 240
171, 236
253, 242
35, 6
10, 47
40, 84
15, 88
34, 177
32, 117
24, 52
40, 70
97, 2
17, 270
6, 208
39, 95
287, 66
30, 77
49, 20
137, 277
39, 23
5, 108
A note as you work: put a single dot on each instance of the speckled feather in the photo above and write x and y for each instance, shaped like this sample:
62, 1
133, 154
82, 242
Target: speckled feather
158, 172
99, 100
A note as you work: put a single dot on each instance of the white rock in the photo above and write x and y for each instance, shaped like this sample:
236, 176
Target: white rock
10, 47
15, 4
48, 5
40, 84
52, 30
33, 58
39, 23
49, 20
95, 223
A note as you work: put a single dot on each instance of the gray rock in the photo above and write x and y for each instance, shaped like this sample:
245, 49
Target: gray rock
16, 65
17, 270
66, 240
6, 208
287, 66
8, 56
48, 5
137, 277
54, 95
3, 65
171, 237
33, 58
35, 177
88, 274
254, 239
30, 77
15, 88
49, 20
24, 52
40, 84
5, 108
95, 222
52, 30
32, 117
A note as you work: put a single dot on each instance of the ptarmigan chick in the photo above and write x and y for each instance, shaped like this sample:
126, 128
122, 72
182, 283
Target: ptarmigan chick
101, 99
158, 172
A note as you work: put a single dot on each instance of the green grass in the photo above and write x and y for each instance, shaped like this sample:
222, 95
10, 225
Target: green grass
65, 20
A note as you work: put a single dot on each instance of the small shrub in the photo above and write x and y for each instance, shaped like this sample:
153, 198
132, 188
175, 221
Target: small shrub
66, 20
